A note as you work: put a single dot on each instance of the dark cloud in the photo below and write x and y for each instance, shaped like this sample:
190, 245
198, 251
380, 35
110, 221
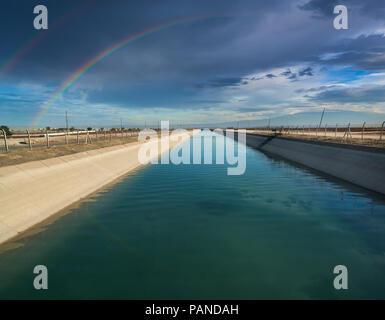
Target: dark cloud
320, 7
290, 75
85, 34
175, 66
252, 109
293, 77
324, 8
306, 72
286, 73
316, 89
237, 32
209, 101
367, 94
256, 78
365, 52
223, 82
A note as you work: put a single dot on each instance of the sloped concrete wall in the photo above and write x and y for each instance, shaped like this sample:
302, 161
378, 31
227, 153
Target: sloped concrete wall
358, 165
31, 192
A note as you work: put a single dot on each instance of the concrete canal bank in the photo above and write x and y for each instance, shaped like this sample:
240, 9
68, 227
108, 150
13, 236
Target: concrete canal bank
33, 191
363, 166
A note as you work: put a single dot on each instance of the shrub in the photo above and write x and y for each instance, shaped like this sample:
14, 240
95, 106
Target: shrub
7, 130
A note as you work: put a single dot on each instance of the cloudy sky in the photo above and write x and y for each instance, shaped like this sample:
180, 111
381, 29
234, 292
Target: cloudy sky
216, 61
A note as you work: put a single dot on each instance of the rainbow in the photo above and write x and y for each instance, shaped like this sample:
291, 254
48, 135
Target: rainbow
87, 66
38, 37
11, 61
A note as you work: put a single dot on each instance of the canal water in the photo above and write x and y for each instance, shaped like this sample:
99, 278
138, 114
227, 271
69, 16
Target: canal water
193, 232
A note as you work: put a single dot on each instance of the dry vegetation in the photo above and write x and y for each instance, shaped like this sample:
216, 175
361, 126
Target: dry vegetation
20, 155
355, 140
17, 156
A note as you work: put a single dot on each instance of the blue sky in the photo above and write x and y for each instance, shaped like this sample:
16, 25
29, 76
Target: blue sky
251, 60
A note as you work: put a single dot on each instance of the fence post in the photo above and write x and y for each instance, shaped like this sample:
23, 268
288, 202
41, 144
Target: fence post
363, 129
110, 135
347, 132
47, 137
104, 134
29, 140
96, 135
382, 129
77, 137
5, 140
87, 137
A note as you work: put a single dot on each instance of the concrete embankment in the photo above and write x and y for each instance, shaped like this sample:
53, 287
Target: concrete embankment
363, 166
31, 192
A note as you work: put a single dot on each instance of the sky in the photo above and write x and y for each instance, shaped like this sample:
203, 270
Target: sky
195, 62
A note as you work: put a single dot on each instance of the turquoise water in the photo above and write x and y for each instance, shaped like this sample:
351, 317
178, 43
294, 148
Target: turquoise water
191, 231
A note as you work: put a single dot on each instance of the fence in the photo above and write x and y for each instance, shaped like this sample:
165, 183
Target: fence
344, 132
50, 139
365, 132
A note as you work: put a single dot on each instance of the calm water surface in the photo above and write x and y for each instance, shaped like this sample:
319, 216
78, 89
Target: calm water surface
191, 231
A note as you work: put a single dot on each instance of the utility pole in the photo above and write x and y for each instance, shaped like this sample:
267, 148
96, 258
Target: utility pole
320, 122
66, 121
121, 124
